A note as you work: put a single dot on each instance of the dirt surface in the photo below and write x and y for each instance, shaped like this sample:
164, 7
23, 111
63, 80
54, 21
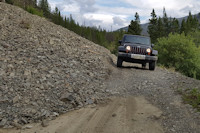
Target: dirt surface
143, 101
119, 115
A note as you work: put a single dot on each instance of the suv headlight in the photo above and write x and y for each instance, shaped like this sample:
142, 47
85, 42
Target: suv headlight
128, 48
148, 50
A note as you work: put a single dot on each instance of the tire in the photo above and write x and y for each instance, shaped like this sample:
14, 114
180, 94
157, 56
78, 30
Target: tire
143, 65
119, 62
152, 65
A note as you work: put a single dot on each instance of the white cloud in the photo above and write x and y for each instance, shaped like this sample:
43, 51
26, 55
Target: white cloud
173, 7
118, 13
118, 21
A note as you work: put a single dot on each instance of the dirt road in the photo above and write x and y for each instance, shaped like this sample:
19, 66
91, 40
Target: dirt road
119, 115
142, 101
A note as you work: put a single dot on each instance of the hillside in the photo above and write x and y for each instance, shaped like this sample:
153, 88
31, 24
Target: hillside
45, 70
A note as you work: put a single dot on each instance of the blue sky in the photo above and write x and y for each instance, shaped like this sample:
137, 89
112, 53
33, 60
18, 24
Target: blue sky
119, 13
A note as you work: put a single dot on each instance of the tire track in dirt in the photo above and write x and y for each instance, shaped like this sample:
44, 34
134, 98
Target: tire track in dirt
120, 115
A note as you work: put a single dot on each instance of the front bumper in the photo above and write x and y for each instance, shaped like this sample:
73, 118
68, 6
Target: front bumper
137, 56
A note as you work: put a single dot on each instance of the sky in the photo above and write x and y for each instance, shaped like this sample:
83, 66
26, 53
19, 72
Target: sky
115, 14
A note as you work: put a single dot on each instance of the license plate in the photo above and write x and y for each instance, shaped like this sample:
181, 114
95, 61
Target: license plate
138, 56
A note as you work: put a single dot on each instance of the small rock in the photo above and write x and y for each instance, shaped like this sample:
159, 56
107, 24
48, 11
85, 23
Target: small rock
5, 45
45, 123
114, 115
27, 72
17, 125
12, 74
3, 99
55, 114
16, 99
3, 123
28, 127
89, 101
67, 97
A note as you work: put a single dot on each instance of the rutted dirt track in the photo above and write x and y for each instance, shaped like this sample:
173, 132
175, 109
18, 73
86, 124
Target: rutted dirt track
119, 115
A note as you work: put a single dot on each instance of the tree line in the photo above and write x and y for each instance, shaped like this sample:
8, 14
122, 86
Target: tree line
162, 26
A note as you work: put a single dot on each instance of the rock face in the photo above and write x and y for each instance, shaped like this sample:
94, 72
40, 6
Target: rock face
45, 70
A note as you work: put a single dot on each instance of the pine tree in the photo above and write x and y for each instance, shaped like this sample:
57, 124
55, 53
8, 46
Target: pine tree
60, 19
189, 22
44, 5
174, 26
183, 26
152, 28
161, 28
65, 22
134, 27
190, 25
166, 23
195, 23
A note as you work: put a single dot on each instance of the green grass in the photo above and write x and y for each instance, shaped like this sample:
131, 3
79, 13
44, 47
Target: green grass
192, 97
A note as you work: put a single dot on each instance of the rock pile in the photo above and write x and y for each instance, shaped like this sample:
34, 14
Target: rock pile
45, 70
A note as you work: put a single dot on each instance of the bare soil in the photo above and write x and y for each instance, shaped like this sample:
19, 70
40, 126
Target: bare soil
119, 115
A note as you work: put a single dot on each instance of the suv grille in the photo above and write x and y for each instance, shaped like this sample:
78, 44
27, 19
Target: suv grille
138, 50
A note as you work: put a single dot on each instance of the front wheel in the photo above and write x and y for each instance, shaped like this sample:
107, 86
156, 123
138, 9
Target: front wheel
152, 65
119, 62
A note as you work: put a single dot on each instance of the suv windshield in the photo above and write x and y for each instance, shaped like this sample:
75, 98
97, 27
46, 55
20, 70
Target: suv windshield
137, 40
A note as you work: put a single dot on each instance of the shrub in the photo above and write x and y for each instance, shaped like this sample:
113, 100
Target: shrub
192, 97
9, 2
179, 51
34, 11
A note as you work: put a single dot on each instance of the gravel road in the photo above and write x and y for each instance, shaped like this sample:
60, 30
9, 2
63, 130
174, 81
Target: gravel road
141, 101
46, 71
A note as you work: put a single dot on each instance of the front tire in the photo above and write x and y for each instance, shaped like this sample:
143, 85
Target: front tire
119, 62
152, 65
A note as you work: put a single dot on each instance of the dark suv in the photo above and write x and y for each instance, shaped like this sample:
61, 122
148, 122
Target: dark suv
137, 49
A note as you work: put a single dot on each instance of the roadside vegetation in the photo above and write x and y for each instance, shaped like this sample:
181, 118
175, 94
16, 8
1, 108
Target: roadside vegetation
178, 42
192, 97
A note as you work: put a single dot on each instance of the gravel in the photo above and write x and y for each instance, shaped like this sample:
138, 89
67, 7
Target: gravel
160, 88
45, 69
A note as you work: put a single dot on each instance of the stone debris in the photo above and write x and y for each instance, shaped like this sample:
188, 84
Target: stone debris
45, 69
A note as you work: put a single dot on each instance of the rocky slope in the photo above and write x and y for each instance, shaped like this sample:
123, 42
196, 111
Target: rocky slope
45, 70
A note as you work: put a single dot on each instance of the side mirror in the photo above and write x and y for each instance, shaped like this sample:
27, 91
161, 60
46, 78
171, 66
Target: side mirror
152, 45
120, 41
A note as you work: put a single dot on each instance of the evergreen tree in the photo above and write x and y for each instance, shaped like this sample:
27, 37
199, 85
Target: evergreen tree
183, 26
189, 22
166, 23
134, 27
195, 23
60, 19
65, 22
44, 5
175, 26
190, 25
152, 28
161, 28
